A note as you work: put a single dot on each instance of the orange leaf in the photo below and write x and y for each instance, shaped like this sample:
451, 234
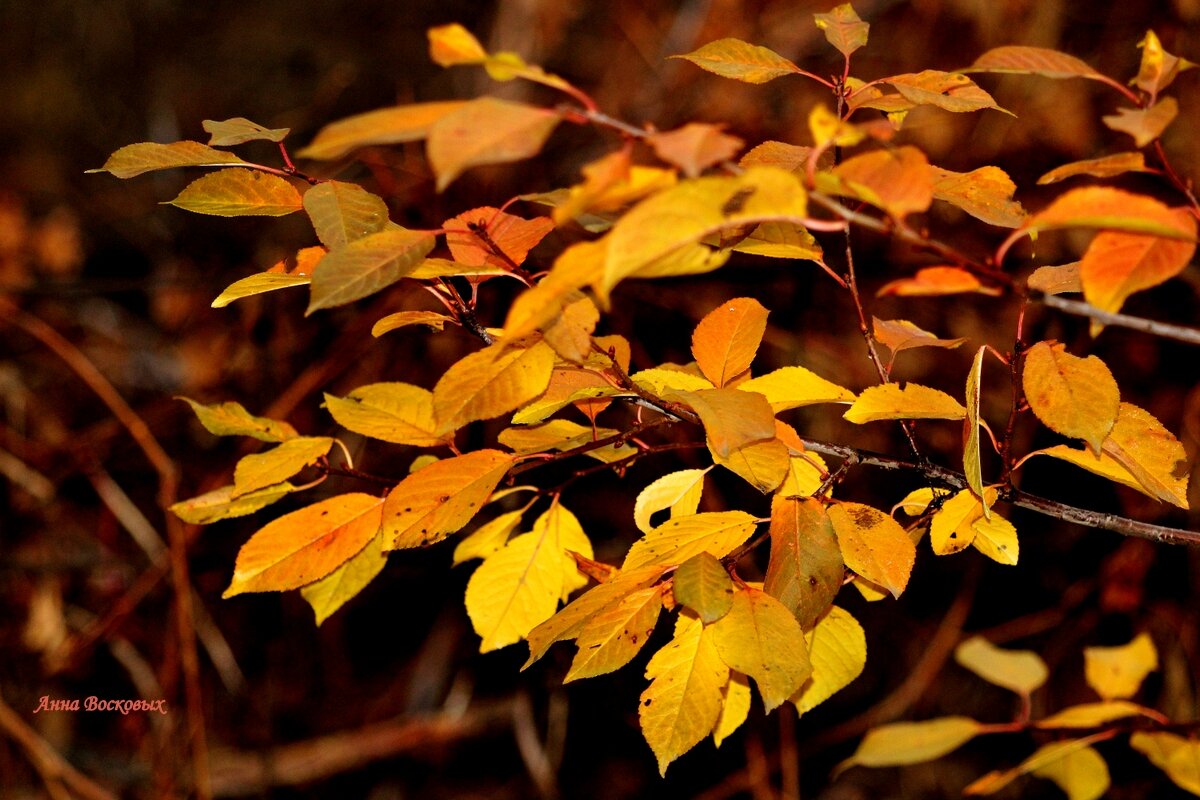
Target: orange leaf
843, 29
512, 235
742, 61
695, 147
1105, 167
486, 131
441, 498
1144, 125
984, 193
382, 126
898, 181
726, 340
932, 281
1033, 61
1076, 397
452, 45
1107, 208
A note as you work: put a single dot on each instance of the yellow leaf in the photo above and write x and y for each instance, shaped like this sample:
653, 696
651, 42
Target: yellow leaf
735, 707
662, 381
843, 28
577, 266
806, 473
897, 181
135, 159
972, 460
278, 464
402, 319
451, 45
683, 702
873, 545
913, 401
571, 334
951, 529
731, 418
391, 412
912, 742
1140, 444
1076, 397
837, 648
221, 504
488, 538
984, 193
1091, 715
915, 502
763, 464
239, 130
562, 434
237, 192
1104, 167
1021, 671
491, 382
441, 498
367, 265
805, 570
695, 147
1158, 68
385, 126
1056, 280
1178, 757
679, 491
1073, 765
567, 624
678, 539
773, 240
950, 91
828, 129
702, 585
612, 637
1116, 673
741, 61
520, 586
935, 282
486, 130
1033, 61
1107, 208
333, 591
258, 283
760, 638
610, 183
342, 212
794, 387
1117, 264
306, 545
231, 419
996, 538
1144, 124
792, 157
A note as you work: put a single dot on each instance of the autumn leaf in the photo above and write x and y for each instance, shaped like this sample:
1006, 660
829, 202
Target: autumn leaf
837, 650
259, 283
912, 742
488, 537
577, 266
340, 586
843, 29
453, 45
570, 335
276, 465
342, 212
1091, 715
440, 499
950, 529
805, 570
949, 91
972, 459
1144, 124
873, 545
1107, 208
912, 401
231, 419
1149, 452
486, 130
764, 463
394, 125
1021, 671
703, 585
735, 707
136, 159
725, 342
731, 418
1056, 280
897, 181
513, 236
1104, 167
237, 192
795, 387
239, 130
898, 335
491, 382
792, 157
695, 147
934, 282
1173, 754
366, 265
678, 539
403, 319
1073, 765
221, 503
1158, 68
306, 545
1076, 397
611, 638
679, 491
984, 193
1033, 61
391, 412
1116, 673
742, 61
760, 638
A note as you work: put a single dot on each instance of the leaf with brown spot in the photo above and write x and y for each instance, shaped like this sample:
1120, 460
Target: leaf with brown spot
873, 545
441, 498
805, 570
514, 236
1076, 397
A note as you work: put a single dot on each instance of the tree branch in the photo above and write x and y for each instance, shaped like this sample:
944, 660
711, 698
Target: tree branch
1163, 330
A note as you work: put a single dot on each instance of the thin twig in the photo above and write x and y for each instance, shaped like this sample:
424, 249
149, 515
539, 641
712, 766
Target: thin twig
1164, 330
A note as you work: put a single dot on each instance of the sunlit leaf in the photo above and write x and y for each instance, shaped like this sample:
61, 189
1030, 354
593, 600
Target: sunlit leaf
678, 539
806, 474
452, 45
760, 638
1144, 124
472, 235
491, 382
342, 212
614, 636
571, 334
1021, 671
731, 418
1073, 765
843, 28
238, 130
984, 193
742, 61
1076, 397
402, 319
827, 128
1104, 167
837, 649
135, 159
577, 266
912, 742
221, 503
231, 419
774, 240
935, 281
912, 401
695, 147
794, 387
763, 464
727, 339
441, 498
949, 91
488, 537
391, 412
703, 585
1107, 208
792, 157
238, 192
679, 491
805, 570
385, 126
486, 130
683, 702
276, 465
367, 265
950, 530
663, 381
1178, 757
1090, 715
873, 545
898, 335
258, 284
1056, 280
1116, 673
996, 538
1158, 68
897, 181
306, 545
735, 707
1144, 447
972, 459
334, 590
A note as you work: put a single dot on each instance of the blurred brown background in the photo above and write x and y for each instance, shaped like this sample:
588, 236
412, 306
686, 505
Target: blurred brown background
412, 711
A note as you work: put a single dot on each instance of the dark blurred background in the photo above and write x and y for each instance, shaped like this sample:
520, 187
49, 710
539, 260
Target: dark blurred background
393, 682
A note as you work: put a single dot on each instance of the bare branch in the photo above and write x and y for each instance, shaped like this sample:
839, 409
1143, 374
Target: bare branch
1163, 330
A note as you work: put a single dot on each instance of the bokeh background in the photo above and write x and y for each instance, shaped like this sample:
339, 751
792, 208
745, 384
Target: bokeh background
389, 699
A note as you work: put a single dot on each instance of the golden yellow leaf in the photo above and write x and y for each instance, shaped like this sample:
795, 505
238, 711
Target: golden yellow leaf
609, 183
763, 464
135, 159
1116, 673
520, 586
972, 459
1021, 671
306, 545
1140, 444
912, 742
231, 419
562, 434
678, 539
996, 538
950, 529
237, 192
760, 638
897, 181
1091, 715
441, 498
403, 319
221, 503
806, 473
794, 387
773, 240
1076, 397
984, 193
452, 45
837, 649
741, 61
805, 570
828, 129
1117, 264
239, 130
367, 265
342, 212
873, 545
735, 707
1158, 68
695, 147
613, 636
912, 401
490, 382
571, 334
703, 585
916, 502
1104, 167
276, 465
486, 130
679, 491
333, 591
949, 91
1073, 765
662, 380
935, 282
258, 283
1107, 208
1144, 124
843, 28
791, 157
488, 537
577, 266
1178, 757
394, 125
731, 418
391, 412
1056, 280
683, 702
